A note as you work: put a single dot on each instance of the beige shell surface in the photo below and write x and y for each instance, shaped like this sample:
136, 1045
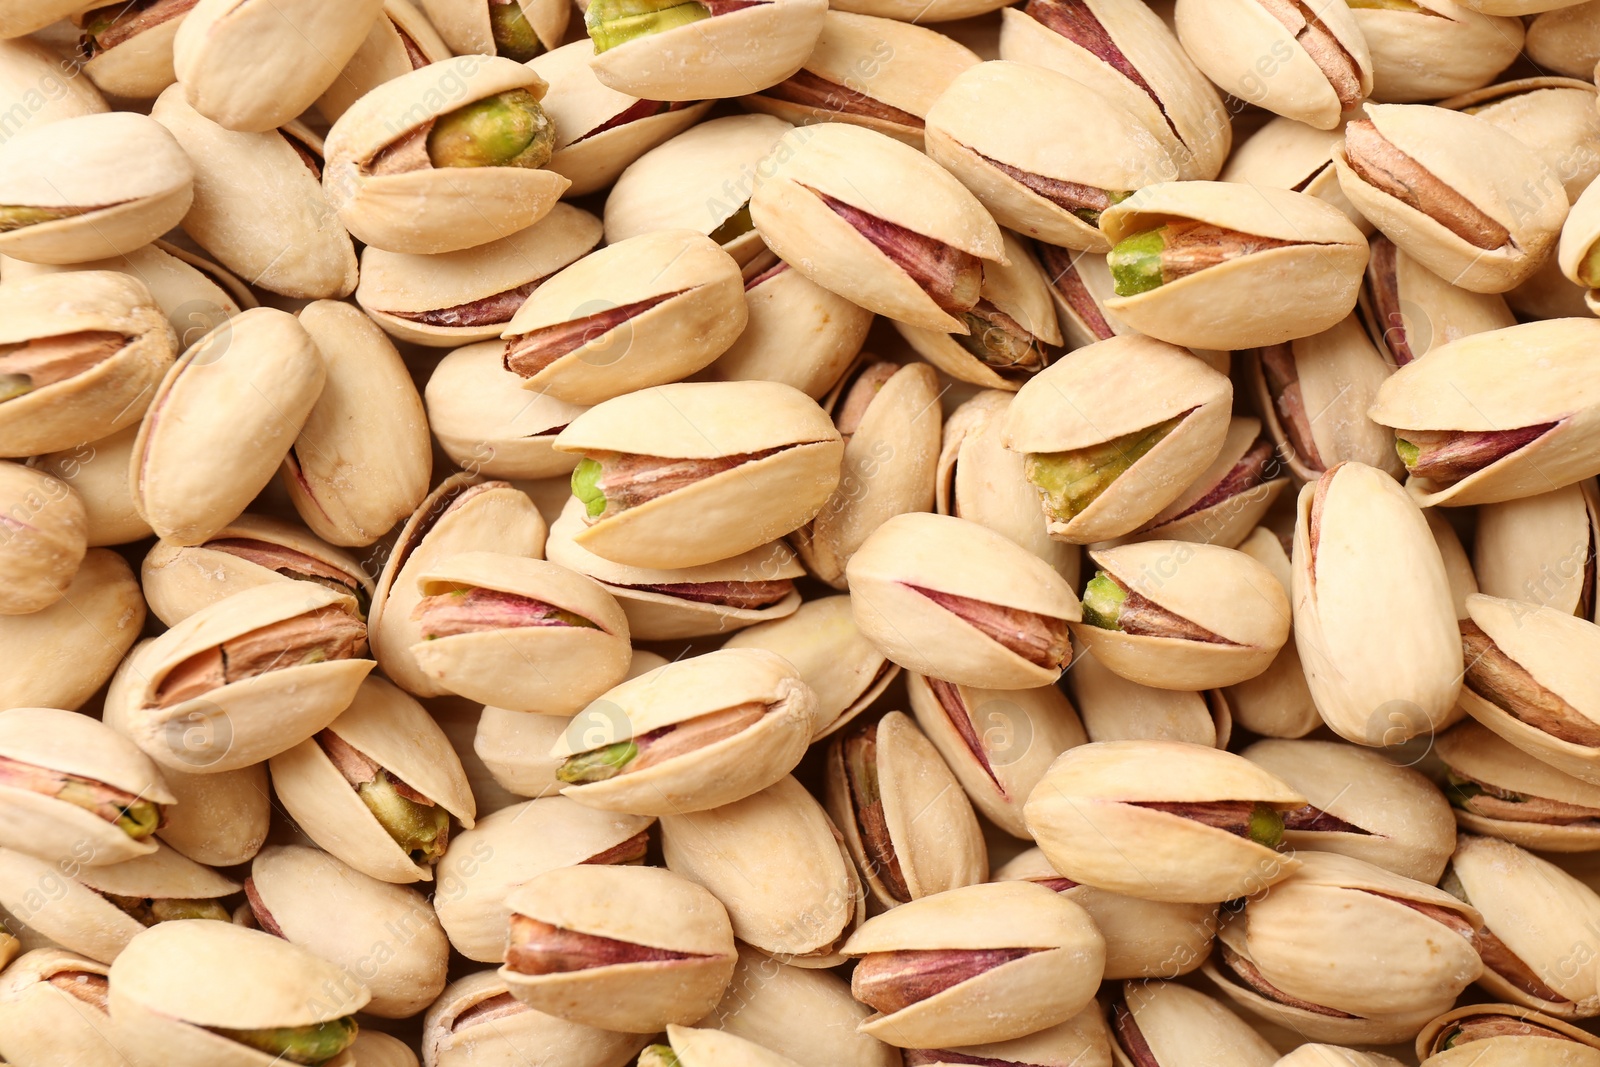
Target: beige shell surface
1579, 233
1556, 117
31, 73
72, 915
99, 472
486, 421
514, 748
1229, 521
42, 1023
449, 1040
1113, 708
1340, 374
140, 67
1371, 1029
1287, 154
1565, 40
1179, 1022
1442, 49
386, 54
47, 536
1478, 753
467, 28
1505, 1050
1536, 548
1081, 1041
220, 819
717, 1048
798, 333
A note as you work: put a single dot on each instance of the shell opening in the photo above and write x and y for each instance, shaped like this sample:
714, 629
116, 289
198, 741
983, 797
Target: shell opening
1042, 640
893, 981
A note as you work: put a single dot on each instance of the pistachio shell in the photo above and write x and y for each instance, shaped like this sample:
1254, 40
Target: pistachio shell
907, 10
1556, 117
1432, 312
219, 819
401, 39
798, 333
1115, 709
1277, 702
1081, 1041
467, 28
1287, 154
714, 1048
1334, 1056
1505, 1050
375, 1049
452, 1037
1231, 519
487, 422
1439, 49
254, 64
1183, 1026
42, 1024
514, 748
47, 536
33, 75
1481, 755
60, 657
102, 486
137, 68
1565, 40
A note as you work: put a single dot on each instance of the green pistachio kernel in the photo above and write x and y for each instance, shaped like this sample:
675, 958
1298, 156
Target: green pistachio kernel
15, 218
1385, 5
1266, 825
1589, 269
419, 829
614, 22
307, 1045
138, 820
658, 1056
173, 910
1135, 261
513, 35
1102, 601
1092, 215
597, 764
507, 129
736, 225
1408, 452
1071, 481
586, 487
14, 385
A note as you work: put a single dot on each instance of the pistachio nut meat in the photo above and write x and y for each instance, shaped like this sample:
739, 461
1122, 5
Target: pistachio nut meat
46, 537
906, 822
378, 786
519, 633
1080, 284
1358, 534
53, 1009
477, 1022
517, 29
244, 678
1409, 310
98, 472
90, 187
74, 791
1165, 1024
1504, 426
386, 933
912, 249
446, 157
81, 353
1012, 331
653, 49
1029, 957
1361, 804
1209, 822
150, 27
950, 599
1228, 500
689, 1047
1287, 154
1229, 266
778, 837
641, 312
998, 743
401, 40
1423, 51
484, 419
1499, 1035
1497, 790
1463, 197
679, 475
620, 948
456, 298
690, 736
60, 656
1112, 708
195, 826
207, 992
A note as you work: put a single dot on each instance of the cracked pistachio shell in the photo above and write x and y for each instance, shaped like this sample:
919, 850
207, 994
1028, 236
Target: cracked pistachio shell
661, 616
1047, 986
549, 669
123, 172
1286, 154
1334, 1056
220, 819
454, 1036
1080, 284
1581, 1049
467, 28
699, 309
56, 830
1553, 647
1547, 918
716, 1048
1409, 828
1523, 375
1221, 590
732, 54
712, 775
1114, 709
1264, 298
799, 1012
176, 980
463, 514
242, 722
1243, 48
398, 734
107, 397
645, 906
1579, 236
221, 421
60, 657
375, 1049
179, 581
1339, 372
1500, 175
251, 65
580, 105
745, 851
1437, 48
1020, 289
1431, 312
1374, 685
845, 670
514, 747
930, 826
487, 422
907, 189
44, 1025
401, 39
1229, 521
981, 480
896, 64
1277, 702
1186, 1028
387, 934
98, 471
397, 286
1556, 117
510, 847
1473, 751
887, 470
1081, 1041
727, 513
37, 77
139, 67
46, 538
433, 209
1112, 389
1006, 742
1091, 799
1566, 40
959, 558
1037, 120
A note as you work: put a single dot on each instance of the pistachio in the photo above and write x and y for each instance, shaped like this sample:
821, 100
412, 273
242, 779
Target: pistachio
514, 36
519, 30
1495, 789
1224, 504
1159, 1024
1492, 1034
1404, 36
61, 655
1116, 709
614, 22
53, 1004
45, 538
477, 1019
1286, 154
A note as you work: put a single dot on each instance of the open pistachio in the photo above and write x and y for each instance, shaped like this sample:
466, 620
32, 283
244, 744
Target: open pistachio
1115, 709
1500, 1035
1496, 789
60, 656
401, 40
1580, 238
517, 29
377, 787
53, 1010
1224, 504
150, 27
1080, 285
476, 1022
1209, 822
1165, 1024
1409, 310
1422, 50
686, 1047
486, 421
1286, 154
44, 539
623, 948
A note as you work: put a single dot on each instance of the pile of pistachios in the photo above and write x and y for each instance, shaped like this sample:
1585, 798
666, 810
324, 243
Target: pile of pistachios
746, 533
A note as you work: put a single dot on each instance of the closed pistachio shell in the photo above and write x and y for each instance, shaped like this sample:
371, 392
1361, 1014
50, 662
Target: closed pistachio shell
645, 907
401, 40
1310, 266
468, 28
385, 933
1435, 49
1081, 1041
1229, 498
52, 1010
1409, 310
1458, 568
1334, 1056
130, 56
476, 1023
1494, 1035
255, 65
220, 819
716, 1048
64, 743
1277, 702
1498, 790
1115, 709
1374, 685
432, 209
377, 1049
46, 539
1184, 1027
1287, 154
176, 981
63, 316
98, 471
38, 78
1566, 40
391, 730
1095, 796
1014, 996
909, 10
104, 183
60, 657
487, 422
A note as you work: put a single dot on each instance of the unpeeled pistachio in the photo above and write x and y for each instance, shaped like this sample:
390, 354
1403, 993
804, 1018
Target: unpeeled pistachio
487, 422
1286, 154
400, 41
687, 1047
59, 657
1164, 1024
1556, 117
1580, 236
1503, 1035
1566, 40
1421, 51
1277, 702
476, 1022
53, 1010
45, 538
1409, 310
19, 18
1226, 501
517, 29
127, 49
1080, 285
1317, 1055
98, 472
220, 819
1497, 789
1115, 709
36, 76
